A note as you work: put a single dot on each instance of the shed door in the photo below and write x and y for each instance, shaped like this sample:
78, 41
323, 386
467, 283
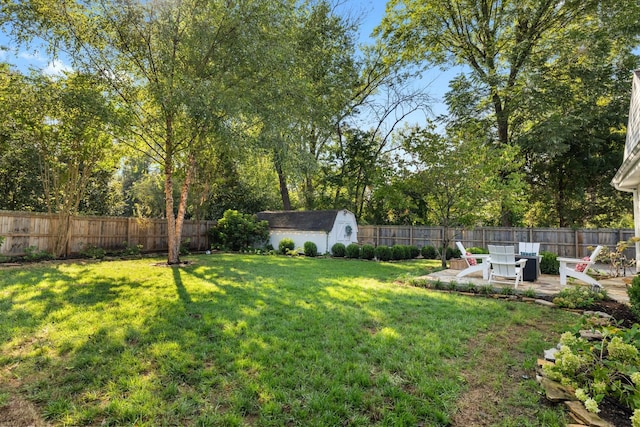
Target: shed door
343, 236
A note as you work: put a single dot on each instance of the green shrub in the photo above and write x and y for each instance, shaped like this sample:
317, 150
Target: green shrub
634, 296
383, 253
184, 247
368, 252
429, 252
33, 254
310, 249
549, 263
352, 250
131, 250
579, 297
93, 252
477, 250
413, 251
398, 252
338, 250
237, 231
286, 245
452, 253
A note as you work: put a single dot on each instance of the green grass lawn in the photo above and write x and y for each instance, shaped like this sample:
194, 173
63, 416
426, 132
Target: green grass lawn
263, 340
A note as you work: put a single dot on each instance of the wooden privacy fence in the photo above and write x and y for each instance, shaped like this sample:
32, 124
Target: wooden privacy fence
22, 230
565, 242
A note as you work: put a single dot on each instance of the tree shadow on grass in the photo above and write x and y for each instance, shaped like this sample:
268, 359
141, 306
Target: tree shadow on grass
246, 339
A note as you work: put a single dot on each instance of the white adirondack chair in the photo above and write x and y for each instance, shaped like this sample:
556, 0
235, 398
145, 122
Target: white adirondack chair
577, 268
530, 249
474, 263
504, 264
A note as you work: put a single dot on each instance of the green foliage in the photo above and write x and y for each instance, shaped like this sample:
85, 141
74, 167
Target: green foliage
634, 295
353, 250
414, 251
549, 263
383, 253
368, 252
93, 252
310, 249
429, 252
184, 247
131, 250
237, 231
579, 297
32, 253
451, 252
398, 252
606, 368
286, 245
477, 250
338, 250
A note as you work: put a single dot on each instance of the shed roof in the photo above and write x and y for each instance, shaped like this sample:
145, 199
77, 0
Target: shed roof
300, 220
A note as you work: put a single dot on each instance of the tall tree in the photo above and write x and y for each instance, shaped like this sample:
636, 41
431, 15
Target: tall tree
495, 40
454, 178
182, 70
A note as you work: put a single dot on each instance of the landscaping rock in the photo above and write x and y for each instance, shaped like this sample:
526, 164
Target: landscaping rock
545, 303
550, 354
591, 335
556, 392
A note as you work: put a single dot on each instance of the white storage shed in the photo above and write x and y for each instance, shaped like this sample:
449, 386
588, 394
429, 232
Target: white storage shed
324, 228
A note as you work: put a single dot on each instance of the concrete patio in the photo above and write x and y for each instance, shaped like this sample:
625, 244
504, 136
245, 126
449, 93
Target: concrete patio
545, 284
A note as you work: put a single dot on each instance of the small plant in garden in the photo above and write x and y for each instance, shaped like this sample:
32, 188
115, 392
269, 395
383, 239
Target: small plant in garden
439, 284
132, 250
549, 263
418, 282
596, 370
286, 245
32, 253
352, 251
383, 253
616, 258
93, 252
368, 252
429, 252
453, 286
470, 287
338, 250
184, 247
529, 293
310, 249
579, 297
507, 290
486, 290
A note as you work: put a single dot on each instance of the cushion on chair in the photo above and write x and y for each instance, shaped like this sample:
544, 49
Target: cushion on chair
471, 260
581, 267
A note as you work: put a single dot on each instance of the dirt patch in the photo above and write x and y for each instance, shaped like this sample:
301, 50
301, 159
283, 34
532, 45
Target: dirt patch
20, 413
494, 378
491, 382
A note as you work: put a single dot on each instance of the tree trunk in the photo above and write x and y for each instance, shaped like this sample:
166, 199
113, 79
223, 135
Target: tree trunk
173, 242
284, 191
